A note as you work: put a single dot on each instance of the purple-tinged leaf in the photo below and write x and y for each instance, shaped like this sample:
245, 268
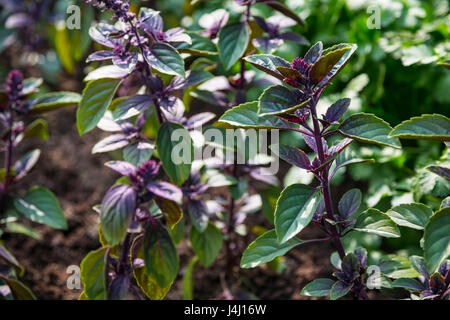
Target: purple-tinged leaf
26, 163
320, 210
150, 20
294, 156
117, 211
361, 253
215, 84
165, 190
314, 53
293, 37
261, 23
108, 124
284, 10
337, 110
441, 171
111, 143
350, 267
127, 62
267, 45
177, 35
199, 214
311, 142
340, 146
122, 167
101, 34
340, 289
349, 203
268, 64
193, 77
199, 120
132, 106
138, 152
276, 22
264, 175
100, 55
118, 288
110, 71
8, 258
214, 20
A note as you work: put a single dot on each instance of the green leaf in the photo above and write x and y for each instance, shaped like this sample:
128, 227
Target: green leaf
54, 100
419, 264
347, 157
437, 239
318, 288
18, 228
278, 100
188, 280
138, 153
426, 127
96, 98
368, 128
18, 289
144, 280
396, 267
160, 255
149, 286
410, 284
233, 41
246, 116
375, 221
295, 209
93, 277
200, 46
132, 106
331, 62
63, 47
206, 244
31, 85
40, 205
412, 215
265, 248
268, 64
340, 289
179, 170
171, 209
166, 59
37, 129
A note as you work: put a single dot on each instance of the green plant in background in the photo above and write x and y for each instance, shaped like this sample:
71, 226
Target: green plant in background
20, 104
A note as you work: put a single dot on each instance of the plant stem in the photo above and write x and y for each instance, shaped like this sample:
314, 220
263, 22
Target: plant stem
325, 185
326, 190
8, 153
